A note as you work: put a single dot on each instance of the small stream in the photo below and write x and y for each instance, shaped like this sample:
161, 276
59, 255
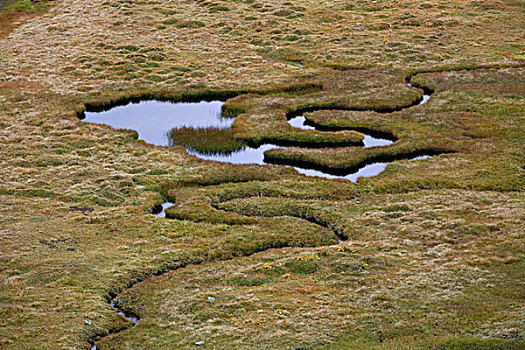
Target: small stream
152, 120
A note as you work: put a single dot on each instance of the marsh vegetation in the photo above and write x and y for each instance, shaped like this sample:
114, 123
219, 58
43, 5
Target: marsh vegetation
250, 255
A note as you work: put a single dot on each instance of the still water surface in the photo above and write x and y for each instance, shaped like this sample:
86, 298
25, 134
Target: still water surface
154, 119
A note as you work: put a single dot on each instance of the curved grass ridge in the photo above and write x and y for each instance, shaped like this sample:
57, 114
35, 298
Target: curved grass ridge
226, 249
387, 154
364, 130
377, 109
257, 128
272, 207
380, 157
227, 212
312, 140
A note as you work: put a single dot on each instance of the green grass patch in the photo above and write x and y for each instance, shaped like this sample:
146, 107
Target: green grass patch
206, 140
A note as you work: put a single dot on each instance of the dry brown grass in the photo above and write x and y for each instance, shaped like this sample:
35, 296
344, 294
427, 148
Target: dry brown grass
15, 12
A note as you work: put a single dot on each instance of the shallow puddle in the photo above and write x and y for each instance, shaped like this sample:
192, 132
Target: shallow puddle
162, 207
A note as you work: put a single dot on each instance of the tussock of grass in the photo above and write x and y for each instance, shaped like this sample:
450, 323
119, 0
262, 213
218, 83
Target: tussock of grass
224, 173
199, 211
279, 132
271, 206
206, 140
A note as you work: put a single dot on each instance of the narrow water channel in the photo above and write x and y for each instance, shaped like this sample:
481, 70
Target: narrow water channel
153, 120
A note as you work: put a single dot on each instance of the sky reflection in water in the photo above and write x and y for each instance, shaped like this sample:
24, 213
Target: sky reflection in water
154, 119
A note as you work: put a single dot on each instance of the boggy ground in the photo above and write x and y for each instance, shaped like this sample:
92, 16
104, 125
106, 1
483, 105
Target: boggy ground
434, 249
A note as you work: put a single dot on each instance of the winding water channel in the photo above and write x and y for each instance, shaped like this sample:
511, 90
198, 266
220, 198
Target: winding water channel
152, 120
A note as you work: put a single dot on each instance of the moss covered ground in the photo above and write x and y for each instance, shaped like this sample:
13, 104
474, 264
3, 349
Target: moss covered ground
433, 251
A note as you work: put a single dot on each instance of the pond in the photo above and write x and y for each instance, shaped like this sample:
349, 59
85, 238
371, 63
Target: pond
153, 121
